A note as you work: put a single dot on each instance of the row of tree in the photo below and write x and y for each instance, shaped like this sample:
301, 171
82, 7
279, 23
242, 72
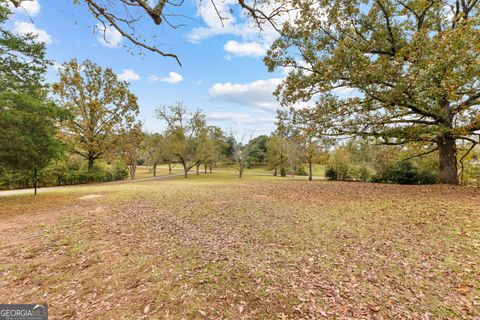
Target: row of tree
409, 68
189, 141
91, 114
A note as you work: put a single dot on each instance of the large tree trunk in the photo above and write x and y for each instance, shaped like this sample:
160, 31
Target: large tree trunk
310, 170
185, 169
197, 167
169, 167
448, 160
154, 170
206, 168
90, 162
275, 173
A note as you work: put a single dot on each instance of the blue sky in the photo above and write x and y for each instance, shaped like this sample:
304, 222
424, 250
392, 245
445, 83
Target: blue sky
222, 73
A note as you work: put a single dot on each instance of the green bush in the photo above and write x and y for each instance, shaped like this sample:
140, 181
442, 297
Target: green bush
65, 172
331, 174
10, 180
359, 173
343, 171
119, 170
301, 172
405, 172
338, 171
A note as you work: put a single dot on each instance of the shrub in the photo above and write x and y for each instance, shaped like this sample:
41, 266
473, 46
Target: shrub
301, 172
338, 171
405, 172
119, 170
339, 165
426, 177
359, 173
331, 174
66, 172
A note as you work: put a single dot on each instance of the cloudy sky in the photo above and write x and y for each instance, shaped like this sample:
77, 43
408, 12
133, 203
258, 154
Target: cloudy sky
222, 73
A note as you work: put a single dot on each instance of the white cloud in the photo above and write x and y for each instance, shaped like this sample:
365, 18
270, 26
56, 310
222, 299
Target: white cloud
57, 66
213, 25
254, 49
173, 77
30, 8
258, 93
108, 36
346, 92
238, 118
237, 22
23, 27
128, 75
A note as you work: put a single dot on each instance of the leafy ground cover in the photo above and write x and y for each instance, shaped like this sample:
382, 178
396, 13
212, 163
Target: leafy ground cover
219, 247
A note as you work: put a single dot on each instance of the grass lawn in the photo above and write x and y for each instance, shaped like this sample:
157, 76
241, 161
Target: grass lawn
147, 172
219, 247
318, 169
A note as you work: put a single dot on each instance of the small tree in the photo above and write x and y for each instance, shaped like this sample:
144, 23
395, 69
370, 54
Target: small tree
167, 154
183, 133
304, 131
295, 156
28, 132
277, 154
211, 147
218, 147
204, 149
241, 154
129, 148
154, 148
102, 107
258, 149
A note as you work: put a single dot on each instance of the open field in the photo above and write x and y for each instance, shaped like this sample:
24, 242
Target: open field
146, 172
219, 247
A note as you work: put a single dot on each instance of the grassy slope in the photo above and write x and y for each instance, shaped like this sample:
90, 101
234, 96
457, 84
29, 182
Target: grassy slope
260, 247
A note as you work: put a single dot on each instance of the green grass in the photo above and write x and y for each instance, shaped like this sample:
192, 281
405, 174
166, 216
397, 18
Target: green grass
260, 247
147, 172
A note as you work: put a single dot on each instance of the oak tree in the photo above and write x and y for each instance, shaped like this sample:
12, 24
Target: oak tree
410, 67
101, 108
183, 133
129, 147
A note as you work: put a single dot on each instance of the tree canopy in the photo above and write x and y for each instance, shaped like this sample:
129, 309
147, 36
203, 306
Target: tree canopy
28, 119
184, 133
125, 16
411, 67
101, 107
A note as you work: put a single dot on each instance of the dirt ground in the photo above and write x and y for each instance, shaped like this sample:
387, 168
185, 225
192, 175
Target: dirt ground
217, 247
